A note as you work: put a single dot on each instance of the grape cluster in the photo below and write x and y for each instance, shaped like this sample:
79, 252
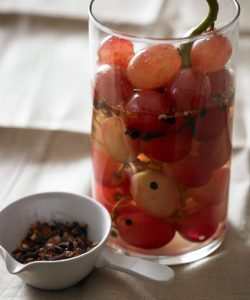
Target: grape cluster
161, 138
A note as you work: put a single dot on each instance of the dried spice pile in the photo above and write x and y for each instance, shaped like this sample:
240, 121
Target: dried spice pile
51, 242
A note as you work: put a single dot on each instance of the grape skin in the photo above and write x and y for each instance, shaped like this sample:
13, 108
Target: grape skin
112, 85
144, 231
190, 90
192, 171
211, 54
215, 191
155, 193
143, 110
199, 226
172, 147
154, 67
115, 51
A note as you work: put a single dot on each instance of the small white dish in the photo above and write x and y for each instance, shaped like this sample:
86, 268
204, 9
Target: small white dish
16, 218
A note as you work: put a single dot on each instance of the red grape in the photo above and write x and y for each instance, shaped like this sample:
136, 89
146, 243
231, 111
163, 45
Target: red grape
192, 171
190, 90
215, 191
172, 147
222, 85
112, 85
211, 123
143, 111
211, 54
217, 151
144, 231
106, 170
199, 226
115, 51
154, 67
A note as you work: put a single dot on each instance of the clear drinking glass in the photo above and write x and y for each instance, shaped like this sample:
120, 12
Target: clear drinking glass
163, 104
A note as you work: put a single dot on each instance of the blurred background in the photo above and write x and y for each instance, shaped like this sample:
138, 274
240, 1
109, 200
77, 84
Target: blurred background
44, 63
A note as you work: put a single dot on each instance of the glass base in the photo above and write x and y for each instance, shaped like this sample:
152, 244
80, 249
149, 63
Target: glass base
177, 252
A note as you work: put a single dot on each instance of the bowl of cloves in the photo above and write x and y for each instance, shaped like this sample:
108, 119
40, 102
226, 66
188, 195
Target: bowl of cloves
53, 240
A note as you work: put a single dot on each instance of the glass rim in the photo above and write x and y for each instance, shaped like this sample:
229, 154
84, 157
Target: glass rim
136, 38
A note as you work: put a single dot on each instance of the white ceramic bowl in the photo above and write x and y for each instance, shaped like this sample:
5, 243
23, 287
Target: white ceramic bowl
16, 219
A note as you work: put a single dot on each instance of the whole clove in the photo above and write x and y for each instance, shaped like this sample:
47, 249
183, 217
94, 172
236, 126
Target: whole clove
52, 242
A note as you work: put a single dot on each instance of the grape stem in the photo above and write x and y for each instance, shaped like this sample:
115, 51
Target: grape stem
207, 23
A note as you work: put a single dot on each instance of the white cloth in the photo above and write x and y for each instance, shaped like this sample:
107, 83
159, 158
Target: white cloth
79, 9
44, 74
70, 8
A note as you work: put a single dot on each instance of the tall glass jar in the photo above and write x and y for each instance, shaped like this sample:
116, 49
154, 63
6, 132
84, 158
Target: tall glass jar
163, 104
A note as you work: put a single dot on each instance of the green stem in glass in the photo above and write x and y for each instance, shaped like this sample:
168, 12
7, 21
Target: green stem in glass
206, 24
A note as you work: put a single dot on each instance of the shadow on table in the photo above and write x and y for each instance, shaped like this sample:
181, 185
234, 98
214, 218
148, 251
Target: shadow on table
222, 275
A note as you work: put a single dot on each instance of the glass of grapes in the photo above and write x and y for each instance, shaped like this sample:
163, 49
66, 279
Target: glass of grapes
163, 104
